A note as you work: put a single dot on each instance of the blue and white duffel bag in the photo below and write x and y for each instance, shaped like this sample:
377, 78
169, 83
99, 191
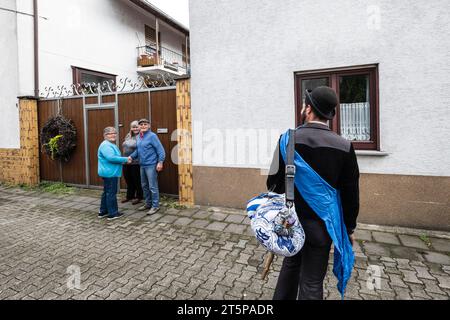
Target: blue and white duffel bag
273, 217
276, 226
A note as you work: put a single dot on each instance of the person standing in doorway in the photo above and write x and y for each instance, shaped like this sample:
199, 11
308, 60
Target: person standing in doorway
333, 159
110, 164
151, 155
132, 171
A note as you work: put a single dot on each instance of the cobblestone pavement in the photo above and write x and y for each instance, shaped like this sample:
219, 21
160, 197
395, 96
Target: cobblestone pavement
197, 253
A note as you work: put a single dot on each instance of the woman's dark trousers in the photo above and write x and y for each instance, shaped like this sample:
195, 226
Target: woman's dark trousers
132, 175
109, 197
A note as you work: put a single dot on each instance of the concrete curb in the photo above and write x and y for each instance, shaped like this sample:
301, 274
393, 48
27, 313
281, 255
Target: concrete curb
405, 231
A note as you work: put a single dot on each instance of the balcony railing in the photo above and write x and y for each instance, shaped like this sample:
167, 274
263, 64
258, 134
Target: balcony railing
168, 59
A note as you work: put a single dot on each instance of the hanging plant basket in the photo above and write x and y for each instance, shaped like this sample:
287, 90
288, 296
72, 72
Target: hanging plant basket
58, 138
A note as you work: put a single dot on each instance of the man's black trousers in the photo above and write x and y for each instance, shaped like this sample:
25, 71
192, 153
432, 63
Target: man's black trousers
301, 276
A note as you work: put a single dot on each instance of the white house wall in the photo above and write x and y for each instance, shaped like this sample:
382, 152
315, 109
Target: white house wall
25, 44
9, 119
100, 35
245, 53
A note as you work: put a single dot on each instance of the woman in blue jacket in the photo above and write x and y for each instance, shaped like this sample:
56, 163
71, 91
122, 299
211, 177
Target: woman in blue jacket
110, 164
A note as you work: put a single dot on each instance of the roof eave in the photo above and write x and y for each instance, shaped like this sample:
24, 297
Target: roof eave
161, 15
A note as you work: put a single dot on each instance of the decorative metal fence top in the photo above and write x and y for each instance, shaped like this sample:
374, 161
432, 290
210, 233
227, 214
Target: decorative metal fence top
107, 87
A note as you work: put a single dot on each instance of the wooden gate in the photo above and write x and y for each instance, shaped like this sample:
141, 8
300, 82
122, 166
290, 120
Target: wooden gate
91, 114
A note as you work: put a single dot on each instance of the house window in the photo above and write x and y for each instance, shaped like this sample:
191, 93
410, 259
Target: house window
150, 40
89, 76
357, 113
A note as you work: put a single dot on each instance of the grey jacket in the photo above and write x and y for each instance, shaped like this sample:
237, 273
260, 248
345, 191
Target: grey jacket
129, 146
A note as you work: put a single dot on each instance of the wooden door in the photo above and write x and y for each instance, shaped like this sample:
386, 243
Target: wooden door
164, 124
97, 121
74, 171
49, 169
132, 107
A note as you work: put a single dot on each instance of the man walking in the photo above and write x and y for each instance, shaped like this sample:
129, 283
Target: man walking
151, 155
333, 159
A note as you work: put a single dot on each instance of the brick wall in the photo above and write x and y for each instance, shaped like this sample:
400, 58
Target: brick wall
21, 166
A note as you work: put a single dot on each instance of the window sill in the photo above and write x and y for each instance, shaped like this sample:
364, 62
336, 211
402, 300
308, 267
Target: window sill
372, 153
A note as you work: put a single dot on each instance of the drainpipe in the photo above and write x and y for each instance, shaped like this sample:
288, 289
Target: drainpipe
157, 42
36, 48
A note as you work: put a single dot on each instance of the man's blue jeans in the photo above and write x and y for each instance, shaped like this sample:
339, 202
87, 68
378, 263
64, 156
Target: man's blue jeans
149, 180
109, 197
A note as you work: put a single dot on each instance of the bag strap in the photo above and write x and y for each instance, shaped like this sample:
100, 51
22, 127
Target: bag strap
290, 169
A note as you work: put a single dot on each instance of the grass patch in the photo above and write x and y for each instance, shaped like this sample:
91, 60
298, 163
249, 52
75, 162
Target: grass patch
28, 188
56, 188
7, 185
426, 240
171, 203
50, 187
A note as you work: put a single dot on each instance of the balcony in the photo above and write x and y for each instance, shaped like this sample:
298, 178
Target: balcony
167, 62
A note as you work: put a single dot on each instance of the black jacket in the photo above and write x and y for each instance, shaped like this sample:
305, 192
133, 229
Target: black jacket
333, 158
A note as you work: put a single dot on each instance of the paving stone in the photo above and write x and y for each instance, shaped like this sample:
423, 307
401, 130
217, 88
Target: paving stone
386, 295
410, 276
438, 258
417, 263
397, 281
402, 293
217, 216
403, 264
419, 294
243, 243
201, 215
372, 248
412, 241
172, 211
444, 282
188, 212
183, 221
235, 218
201, 224
249, 232
357, 247
235, 228
133, 214
153, 217
436, 296
385, 237
406, 253
440, 244
446, 269
422, 272
167, 219
435, 269
216, 226
363, 235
